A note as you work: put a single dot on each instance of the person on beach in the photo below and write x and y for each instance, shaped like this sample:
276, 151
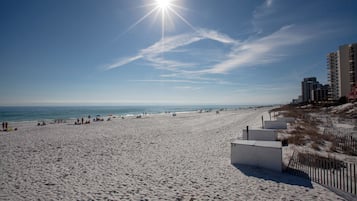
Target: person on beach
82, 120
3, 125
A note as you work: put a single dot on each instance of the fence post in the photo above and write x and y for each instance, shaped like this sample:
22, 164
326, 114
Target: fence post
330, 165
247, 132
309, 166
320, 171
343, 178
317, 168
314, 166
350, 177
334, 170
324, 171
354, 177
340, 172
327, 170
346, 177
306, 166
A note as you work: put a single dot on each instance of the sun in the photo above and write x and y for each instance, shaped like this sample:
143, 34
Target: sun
167, 9
164, 4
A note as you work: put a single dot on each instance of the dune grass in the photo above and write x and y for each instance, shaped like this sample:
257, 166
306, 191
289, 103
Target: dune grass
306, 131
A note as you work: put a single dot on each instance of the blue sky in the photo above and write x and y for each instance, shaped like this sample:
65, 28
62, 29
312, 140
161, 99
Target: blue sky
115, 52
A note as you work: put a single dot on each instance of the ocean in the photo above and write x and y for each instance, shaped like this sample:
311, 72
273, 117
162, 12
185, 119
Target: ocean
32, 113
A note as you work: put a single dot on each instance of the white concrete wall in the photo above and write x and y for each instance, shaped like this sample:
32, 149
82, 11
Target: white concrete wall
260, 134
286, 119
255, 155
275, 125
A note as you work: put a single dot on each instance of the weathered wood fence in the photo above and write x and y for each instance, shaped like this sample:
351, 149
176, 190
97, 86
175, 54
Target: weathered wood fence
347, 144
326, 171
344, 143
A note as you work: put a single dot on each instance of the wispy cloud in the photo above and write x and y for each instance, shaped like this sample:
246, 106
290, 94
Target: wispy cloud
123, 62
172, 81
251, 52
153, 53
260, 51
188, 88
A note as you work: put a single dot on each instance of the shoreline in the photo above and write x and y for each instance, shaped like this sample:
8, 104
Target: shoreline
131, 114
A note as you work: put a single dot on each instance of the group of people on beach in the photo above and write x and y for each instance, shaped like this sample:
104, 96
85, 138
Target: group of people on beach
43, 123
79, 122
83, 121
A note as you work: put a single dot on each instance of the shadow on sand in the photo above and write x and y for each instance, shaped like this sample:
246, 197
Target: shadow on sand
302, 180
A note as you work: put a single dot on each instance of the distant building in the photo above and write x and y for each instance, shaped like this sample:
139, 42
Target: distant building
307, 86
348, 75
320, 93
297, 101
342, 72
294, 101
333, 75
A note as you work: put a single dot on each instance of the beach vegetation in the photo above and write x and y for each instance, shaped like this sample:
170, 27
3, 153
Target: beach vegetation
306, 130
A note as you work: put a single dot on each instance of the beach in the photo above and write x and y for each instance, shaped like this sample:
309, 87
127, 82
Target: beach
156, 157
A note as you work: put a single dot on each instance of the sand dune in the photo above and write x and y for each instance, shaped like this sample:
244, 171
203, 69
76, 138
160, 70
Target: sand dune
157, 157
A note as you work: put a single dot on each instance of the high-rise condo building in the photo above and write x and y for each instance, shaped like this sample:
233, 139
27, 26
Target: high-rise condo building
307, 86
348, 56
333, 75
342, 72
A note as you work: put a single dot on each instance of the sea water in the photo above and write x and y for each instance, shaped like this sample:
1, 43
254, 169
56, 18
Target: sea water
32, 113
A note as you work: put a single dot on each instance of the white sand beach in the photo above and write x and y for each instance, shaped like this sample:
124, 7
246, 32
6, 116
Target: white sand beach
156, 157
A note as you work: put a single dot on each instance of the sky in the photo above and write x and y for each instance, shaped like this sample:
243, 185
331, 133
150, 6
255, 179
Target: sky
189, 52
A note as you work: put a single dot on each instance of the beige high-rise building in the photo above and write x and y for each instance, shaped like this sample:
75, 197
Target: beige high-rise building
348, 56
342, 70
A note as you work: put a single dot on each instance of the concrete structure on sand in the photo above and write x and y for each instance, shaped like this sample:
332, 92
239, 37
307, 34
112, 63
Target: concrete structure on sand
264, 154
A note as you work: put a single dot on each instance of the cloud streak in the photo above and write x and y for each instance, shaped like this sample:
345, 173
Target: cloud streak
173, 81
260, 51
153, 53
123, 62
251, 52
